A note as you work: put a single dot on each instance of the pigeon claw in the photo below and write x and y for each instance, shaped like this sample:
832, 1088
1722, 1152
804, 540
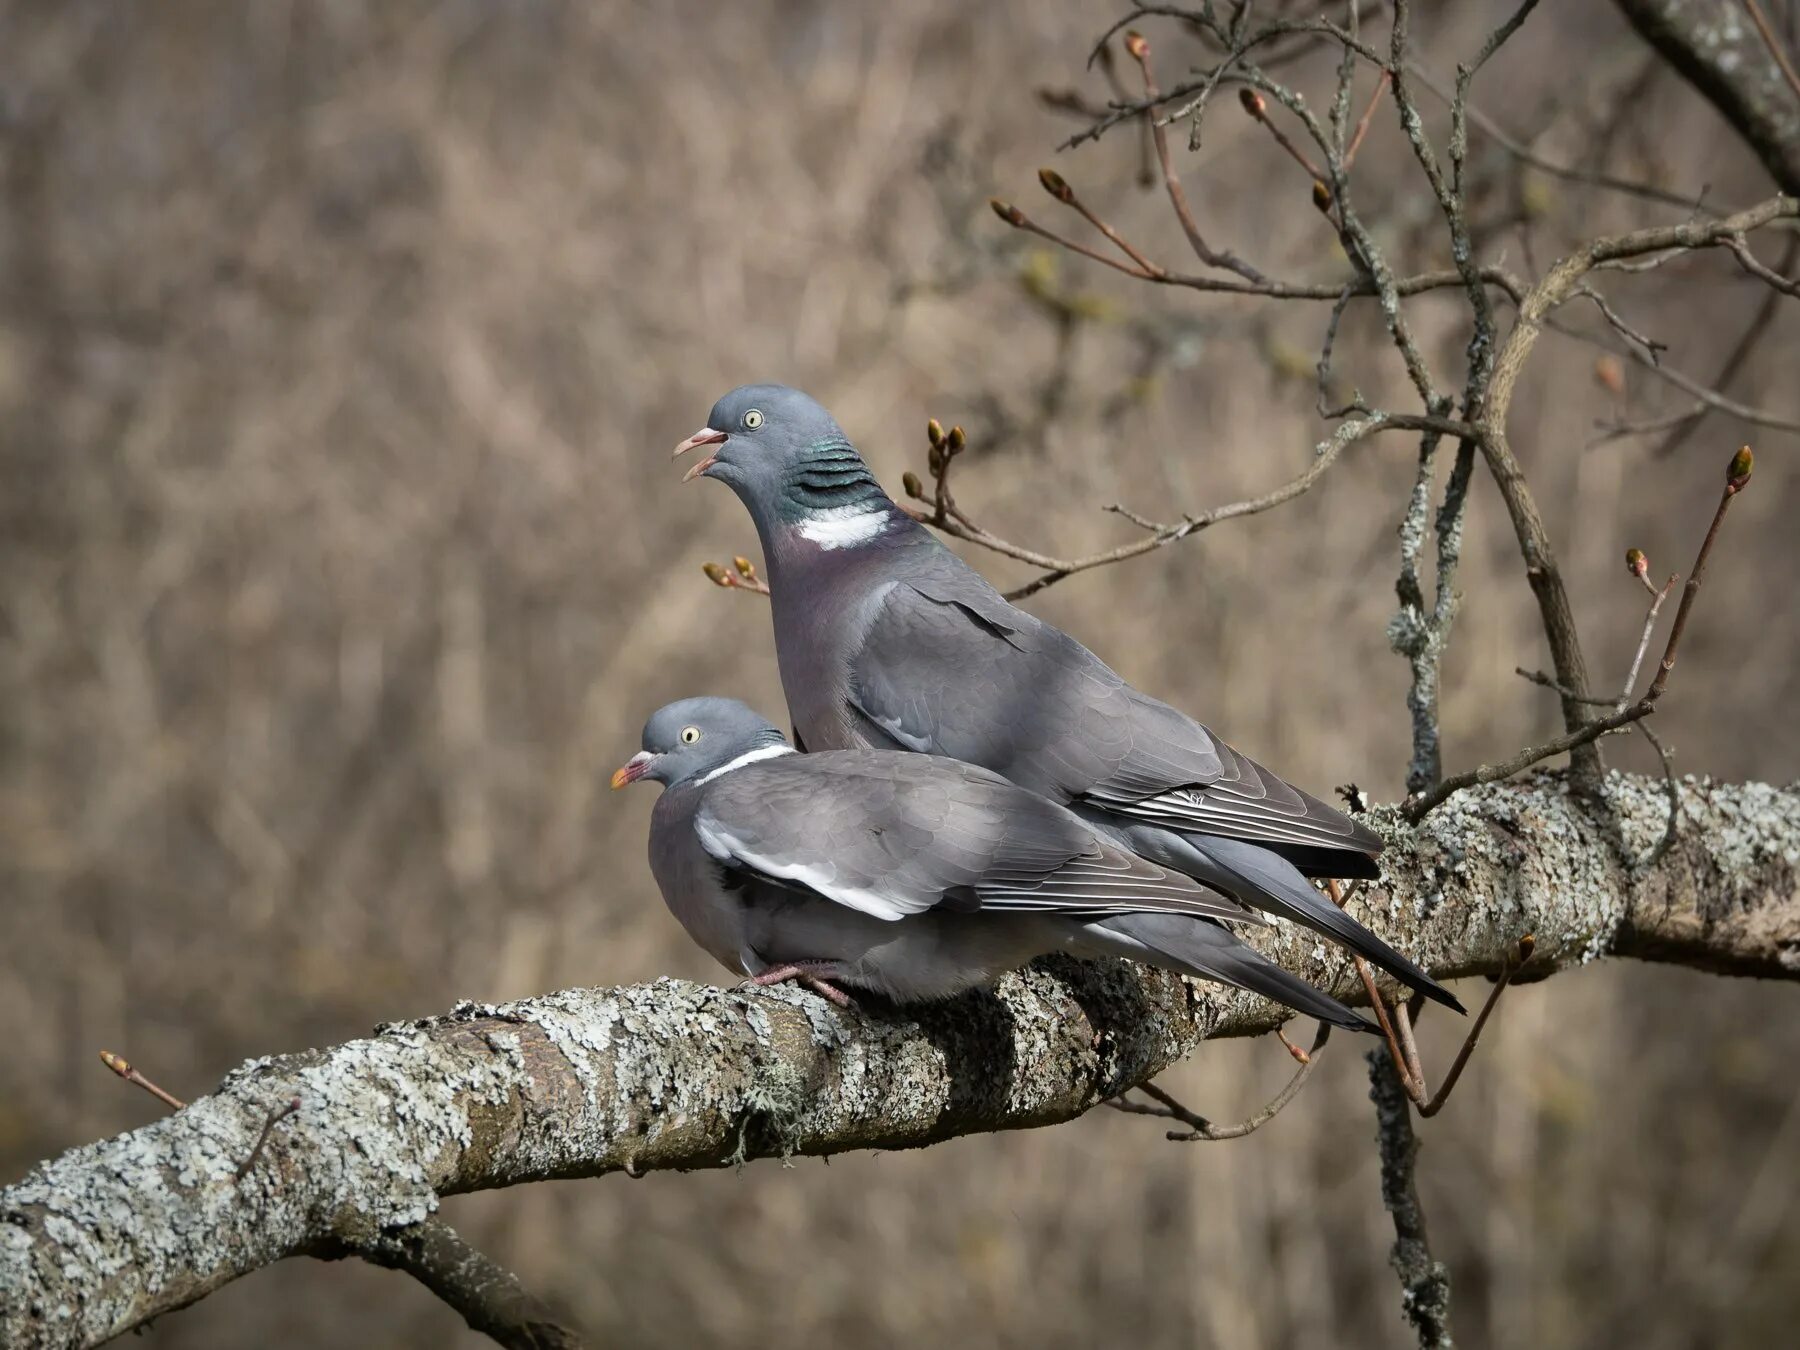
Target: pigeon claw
804, 974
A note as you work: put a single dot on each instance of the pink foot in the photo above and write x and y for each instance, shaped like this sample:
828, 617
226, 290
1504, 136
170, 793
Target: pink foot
817, 983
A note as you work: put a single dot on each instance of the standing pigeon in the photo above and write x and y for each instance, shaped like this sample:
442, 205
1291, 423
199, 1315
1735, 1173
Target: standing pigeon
910, 875
887, 639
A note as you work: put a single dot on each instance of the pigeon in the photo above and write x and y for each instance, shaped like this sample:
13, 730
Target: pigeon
910, 876
888, 640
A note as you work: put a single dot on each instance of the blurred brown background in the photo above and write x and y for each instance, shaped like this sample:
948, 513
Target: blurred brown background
341, 348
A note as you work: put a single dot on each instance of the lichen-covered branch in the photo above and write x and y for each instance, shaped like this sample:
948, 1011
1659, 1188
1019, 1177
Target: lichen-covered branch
675, 1075
488, 1296
1424, 1280
1714, 44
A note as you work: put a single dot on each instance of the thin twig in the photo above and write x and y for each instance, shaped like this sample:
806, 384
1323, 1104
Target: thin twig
1536, 550
1415, 807
1140, 52
1551, 682
1527, 945
1016, 218
1362, 125
1738, 475
1681, 422
1740, 250
1652, 348
1202, 1130
1709, 397
1269, 287
1673, 788
1058, 187
1773, 43
1637, 661
1747, 342
1057, 569
1258, 108
1378, 1003
1403, 1023
1526, 155
124, 1069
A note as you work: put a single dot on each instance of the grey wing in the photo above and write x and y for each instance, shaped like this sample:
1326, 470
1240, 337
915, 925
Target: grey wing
896, 835
1242, 799
948, 667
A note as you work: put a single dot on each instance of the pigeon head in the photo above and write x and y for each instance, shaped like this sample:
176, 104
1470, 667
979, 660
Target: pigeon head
696, 738
791, 465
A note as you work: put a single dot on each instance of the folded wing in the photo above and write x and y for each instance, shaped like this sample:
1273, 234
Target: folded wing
897, 835
948, 667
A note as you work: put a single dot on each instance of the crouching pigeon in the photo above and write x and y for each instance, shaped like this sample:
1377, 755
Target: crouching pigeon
887, 639
908, 875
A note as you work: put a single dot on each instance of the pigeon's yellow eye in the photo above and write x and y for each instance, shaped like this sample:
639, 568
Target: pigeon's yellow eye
753, 419
689, 735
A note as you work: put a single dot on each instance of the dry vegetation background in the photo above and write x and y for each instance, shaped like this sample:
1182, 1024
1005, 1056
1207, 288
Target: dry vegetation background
341, 348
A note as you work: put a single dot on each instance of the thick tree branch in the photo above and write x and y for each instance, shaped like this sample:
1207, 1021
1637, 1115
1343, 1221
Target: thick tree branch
1721, 54
675, 1075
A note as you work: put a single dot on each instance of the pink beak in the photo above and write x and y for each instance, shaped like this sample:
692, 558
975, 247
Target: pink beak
704, 436
632, 769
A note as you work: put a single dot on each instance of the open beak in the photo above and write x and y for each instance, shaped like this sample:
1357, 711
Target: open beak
704, 436
632, 769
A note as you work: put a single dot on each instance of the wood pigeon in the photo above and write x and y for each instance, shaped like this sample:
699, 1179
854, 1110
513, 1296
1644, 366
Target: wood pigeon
912, 876
886, 639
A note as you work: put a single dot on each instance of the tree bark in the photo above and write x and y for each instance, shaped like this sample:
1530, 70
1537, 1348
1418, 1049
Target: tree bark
676, 1075
1718, 50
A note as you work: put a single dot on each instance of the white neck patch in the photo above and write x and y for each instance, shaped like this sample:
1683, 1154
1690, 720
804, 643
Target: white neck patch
748, 757
844, 526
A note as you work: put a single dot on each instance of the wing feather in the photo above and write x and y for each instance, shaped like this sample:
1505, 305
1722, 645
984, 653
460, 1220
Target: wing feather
897, 835
948, 667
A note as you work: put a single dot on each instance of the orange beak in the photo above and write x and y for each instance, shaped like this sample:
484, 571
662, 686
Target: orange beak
632, 769
704, 436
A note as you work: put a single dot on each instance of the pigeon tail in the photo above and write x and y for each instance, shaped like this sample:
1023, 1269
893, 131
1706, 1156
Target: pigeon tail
1270, 882
1209, 951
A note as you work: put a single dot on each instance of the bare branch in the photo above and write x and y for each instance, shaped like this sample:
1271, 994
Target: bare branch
489, 1297
1526, 155
1258, 108
1740, 249
1534, 542
1637, 661
1202, 1130
1424, 1280
1527, 945
1710, 399
1586, 732
955, 523
1140, 51
1651, 347
1731, 65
